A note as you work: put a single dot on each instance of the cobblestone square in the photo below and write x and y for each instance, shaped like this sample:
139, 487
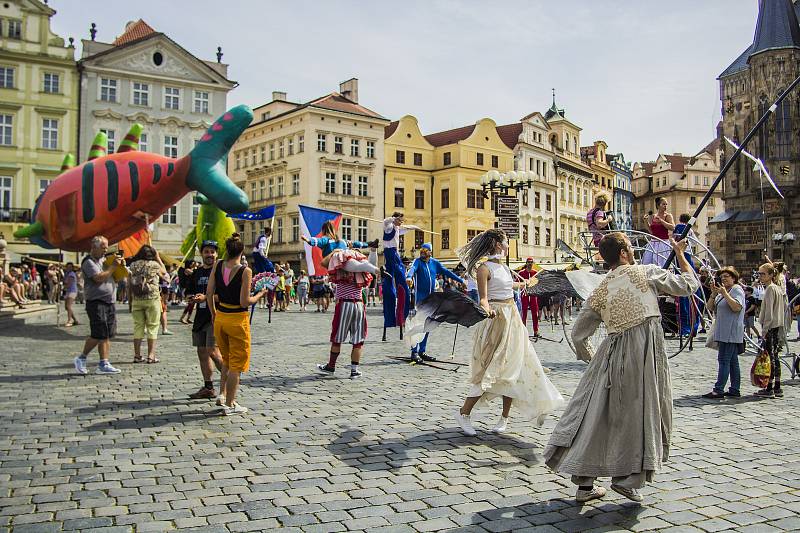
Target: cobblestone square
131, 453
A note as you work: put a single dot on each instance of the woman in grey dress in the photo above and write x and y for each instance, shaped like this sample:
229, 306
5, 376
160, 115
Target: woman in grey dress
619, 420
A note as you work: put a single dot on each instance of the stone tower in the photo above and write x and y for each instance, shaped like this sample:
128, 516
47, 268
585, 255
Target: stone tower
747, 88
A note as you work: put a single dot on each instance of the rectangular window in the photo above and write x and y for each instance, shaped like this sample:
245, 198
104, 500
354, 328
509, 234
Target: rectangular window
238, 160
112, 140
475, 199
363, 185
570, 194
495, 161
705, 181
262, 150
472, 233
355, 148
547, 238
271, 151
280, 186
417, 159
195, 209
171, 146
362, 231
402, 242
295, 229
6, 127
6, 78
290, 146
15, 29
330, 182
537, 236
585, 198
371, 149
693, 200
347, 229
572, 233
562, 190
537, 200
548, 202
419, 239
321, 139
479, 159
399, 197
447, 158
5, 192
419, 199
253, 191
445, 239
141, 93
170, 216
200, 102
279, 232
271, 187
172, 98
711, 202
338, 145
445, 199
563, 231
697, 180
108, 90
296, 183
538, 169
525, 199
525, 234
51, 83
544, 169
347, 184
301, 144
43, 185
280, 149
50, 134
400, 157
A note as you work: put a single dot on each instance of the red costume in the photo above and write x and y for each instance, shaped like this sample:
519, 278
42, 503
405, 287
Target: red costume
530, 301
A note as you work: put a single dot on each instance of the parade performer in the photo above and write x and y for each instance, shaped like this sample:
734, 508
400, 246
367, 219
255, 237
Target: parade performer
689, 311
260, 261
530, 302
421, 278
504, 362
618, 422
661, 224
396, 297
598, 220
344, 263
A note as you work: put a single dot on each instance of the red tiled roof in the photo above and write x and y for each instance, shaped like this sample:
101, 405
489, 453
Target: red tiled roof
510, 133
337, 102
676, 162
134, 32
450, 136
389, 130
648, 168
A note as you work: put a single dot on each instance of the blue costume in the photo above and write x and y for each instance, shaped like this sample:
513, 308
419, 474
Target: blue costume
329, 245
688, 326
260, 261
424, 274
396, 296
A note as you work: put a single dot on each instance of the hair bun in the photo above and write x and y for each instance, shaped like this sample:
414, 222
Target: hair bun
236, 237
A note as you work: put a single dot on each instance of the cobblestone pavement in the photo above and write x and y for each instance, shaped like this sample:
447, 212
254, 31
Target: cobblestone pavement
132, 453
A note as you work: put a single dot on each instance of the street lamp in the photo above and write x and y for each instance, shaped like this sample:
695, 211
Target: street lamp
516, 180
784, 240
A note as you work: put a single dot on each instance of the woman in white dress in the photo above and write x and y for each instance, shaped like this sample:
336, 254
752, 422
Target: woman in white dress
504, 362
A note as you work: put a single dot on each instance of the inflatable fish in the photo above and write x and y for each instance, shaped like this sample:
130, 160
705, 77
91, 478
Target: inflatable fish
114, 195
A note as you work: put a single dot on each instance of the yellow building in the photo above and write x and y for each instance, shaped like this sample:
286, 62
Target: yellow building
38, 111
448, 197
595, 156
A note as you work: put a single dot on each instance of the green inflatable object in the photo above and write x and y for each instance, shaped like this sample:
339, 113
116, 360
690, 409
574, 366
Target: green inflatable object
212, 225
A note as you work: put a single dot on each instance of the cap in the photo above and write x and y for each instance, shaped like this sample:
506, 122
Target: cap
213, 244
428, 246
529, 259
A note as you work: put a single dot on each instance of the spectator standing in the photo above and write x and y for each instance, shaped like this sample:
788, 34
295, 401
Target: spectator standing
750, 312
146, 272
772, 317
70, 294
728, 300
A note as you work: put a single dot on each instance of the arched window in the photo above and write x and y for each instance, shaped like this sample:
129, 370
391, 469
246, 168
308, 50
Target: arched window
783, 131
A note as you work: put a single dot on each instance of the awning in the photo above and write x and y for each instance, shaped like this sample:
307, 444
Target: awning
746, 216
724, 216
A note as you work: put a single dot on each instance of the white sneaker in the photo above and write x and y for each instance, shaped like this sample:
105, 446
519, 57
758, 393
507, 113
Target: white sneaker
235, 410
631, 494
107, 369
466, 424
583, 496
80, 365
501, 425
221, 400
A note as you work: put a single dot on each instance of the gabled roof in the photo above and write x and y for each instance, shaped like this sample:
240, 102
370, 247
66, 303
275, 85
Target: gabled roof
389, 130
510, 133
677, 163
133, 32
450, 136
648, 168
337, 102
776, 28
711, 148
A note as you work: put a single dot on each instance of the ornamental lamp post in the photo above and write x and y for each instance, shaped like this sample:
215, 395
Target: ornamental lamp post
784, 240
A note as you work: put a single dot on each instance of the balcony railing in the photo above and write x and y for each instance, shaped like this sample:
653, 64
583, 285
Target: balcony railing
14, 214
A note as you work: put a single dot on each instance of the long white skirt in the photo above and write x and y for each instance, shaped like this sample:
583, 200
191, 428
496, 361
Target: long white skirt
504, 363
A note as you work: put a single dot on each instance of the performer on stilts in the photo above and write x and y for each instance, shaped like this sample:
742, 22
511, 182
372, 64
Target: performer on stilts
260, 261
504, 362
619, 421
396, 296
421, 278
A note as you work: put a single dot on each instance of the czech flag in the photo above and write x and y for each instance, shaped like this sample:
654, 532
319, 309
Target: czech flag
311, 221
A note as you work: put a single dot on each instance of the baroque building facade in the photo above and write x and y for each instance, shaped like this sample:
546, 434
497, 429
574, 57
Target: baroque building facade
144, 76
622, 202
38, 112
327, 152
748, 87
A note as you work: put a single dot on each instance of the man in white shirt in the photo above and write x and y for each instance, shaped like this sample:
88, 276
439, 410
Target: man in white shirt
396, 296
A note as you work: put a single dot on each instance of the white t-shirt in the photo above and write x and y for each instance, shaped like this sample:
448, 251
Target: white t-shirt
388, 226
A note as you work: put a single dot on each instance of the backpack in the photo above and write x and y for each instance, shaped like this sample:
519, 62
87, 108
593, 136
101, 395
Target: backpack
143, 286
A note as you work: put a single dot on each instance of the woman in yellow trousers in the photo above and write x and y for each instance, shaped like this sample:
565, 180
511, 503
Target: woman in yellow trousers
230, 283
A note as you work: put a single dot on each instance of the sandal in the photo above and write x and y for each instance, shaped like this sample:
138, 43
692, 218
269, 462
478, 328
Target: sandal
138, 359
152, 360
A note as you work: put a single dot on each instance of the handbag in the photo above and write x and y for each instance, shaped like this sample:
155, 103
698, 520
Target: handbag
710, 342
761, 369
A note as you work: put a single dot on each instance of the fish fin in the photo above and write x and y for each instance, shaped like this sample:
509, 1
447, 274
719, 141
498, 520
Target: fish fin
99, 146
207, 173
131, 141
67, 163
31, 230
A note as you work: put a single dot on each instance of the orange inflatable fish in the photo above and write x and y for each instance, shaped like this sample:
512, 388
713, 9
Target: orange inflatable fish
115, 194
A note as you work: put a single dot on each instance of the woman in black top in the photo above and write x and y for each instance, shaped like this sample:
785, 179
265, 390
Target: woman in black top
230, 282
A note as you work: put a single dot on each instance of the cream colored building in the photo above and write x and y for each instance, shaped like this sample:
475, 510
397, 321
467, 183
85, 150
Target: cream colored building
326, 153
530, 140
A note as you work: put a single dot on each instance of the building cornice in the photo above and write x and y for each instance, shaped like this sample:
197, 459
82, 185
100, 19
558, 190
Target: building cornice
161, 79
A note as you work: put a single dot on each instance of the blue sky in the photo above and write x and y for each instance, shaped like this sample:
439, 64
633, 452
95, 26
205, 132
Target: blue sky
639, 74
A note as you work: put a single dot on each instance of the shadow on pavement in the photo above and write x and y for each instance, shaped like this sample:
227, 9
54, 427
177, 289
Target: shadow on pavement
391, 454
698, 401
132, 405
152, 420
41, 332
